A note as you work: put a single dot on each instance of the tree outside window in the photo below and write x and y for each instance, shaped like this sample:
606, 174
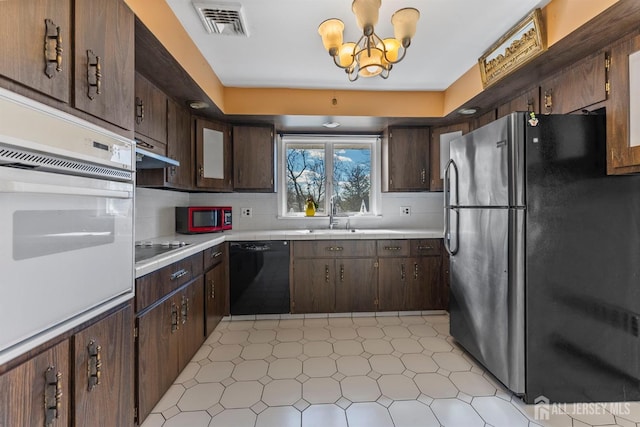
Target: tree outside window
305, 169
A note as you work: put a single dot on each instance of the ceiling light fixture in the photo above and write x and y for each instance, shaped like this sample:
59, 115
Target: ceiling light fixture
468, 111
370, 55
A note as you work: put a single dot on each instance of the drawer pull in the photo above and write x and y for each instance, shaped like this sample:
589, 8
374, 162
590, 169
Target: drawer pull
174, 318
178, 274
392, 248
94, 364
52, 395
339, 248
424, 248
330, 248
216, 254
402, 272
326, 273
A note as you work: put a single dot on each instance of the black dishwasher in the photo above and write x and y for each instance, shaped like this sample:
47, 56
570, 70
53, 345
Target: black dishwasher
259, 277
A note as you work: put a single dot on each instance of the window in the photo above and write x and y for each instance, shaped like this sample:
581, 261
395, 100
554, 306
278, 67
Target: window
323, 167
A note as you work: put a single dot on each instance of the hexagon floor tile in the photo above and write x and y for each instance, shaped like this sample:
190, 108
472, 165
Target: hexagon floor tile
397, 370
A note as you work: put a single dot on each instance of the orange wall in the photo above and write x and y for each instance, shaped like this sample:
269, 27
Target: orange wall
561, 17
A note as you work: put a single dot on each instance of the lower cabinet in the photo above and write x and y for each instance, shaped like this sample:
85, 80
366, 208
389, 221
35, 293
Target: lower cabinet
216, 284
85, 380
36, 393
368, 275
103, 372
169, 334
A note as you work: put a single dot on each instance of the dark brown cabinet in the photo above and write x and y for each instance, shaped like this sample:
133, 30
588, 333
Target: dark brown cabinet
253, 164
24, 25
436, 182
622, 158
213, 156
170, 327
103, 372
334, 276
577, 87
405, 159
526, 101
36, 392
104, 61
179, 147
411, 282
216, 286
150, 110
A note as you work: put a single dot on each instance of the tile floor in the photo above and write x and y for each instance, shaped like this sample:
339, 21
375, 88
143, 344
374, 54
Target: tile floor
392, 371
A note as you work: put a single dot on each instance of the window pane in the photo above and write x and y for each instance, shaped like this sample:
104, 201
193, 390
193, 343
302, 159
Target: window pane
352, 177
305, 176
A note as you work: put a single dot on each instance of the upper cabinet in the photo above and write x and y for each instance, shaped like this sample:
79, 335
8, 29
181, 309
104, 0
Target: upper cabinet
623, 141
253, 161
213, 156
24, 25
179, 146
581, 85
405, 159
104, 61
150, 110
435, 181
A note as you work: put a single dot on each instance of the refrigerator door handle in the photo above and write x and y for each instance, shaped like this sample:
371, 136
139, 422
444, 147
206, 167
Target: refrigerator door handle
447, 208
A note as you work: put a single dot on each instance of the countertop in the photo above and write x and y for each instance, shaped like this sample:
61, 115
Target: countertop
200, 242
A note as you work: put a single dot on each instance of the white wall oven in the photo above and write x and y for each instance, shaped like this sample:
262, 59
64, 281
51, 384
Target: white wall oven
66, 222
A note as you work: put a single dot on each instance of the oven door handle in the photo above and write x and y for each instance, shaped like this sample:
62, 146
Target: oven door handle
41, 188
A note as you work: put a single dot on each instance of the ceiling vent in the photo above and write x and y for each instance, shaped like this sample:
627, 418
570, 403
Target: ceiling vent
222, 18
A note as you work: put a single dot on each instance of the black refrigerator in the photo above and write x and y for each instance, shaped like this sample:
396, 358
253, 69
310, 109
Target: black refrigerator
545, 258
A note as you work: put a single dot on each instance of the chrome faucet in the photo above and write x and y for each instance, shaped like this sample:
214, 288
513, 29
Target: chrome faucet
332, 212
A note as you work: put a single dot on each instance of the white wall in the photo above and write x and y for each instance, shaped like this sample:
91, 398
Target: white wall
154, 211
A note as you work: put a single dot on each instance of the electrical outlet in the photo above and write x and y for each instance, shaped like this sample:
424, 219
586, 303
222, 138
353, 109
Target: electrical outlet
246, 212
406, 210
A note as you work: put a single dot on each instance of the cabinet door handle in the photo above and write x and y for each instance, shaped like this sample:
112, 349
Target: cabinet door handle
94, 364
178, 274
326, 273
548, 101
201, 171
415, 271
52, 48
402, 272
174, 318
94, 75
341, 272
52, 395
423, 175
212, 285
392, 248
139, 110
184, 310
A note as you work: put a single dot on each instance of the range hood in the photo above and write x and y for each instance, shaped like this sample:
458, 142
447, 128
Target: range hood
148, 160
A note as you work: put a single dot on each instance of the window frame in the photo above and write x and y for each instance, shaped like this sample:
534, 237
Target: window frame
329, 141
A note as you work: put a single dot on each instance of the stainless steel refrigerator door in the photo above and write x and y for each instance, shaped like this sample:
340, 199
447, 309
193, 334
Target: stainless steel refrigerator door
489, 164
487, 290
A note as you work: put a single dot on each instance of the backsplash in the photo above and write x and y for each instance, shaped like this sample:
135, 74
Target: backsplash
155, 215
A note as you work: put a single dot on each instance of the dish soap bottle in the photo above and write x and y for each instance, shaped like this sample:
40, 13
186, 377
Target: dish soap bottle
310, 207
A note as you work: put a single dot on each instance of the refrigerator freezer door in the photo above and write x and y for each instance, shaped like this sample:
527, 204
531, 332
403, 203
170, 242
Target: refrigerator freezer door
489, 163
487, 291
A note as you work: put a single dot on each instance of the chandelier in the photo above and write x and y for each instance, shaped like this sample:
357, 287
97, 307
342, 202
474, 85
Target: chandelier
370, 55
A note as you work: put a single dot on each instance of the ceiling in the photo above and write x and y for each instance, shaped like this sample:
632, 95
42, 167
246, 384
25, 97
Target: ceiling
284, 50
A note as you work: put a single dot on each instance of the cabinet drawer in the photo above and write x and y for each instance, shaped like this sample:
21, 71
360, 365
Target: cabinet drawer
334, 248
214, 256
426, 247
393, 248
153, 286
